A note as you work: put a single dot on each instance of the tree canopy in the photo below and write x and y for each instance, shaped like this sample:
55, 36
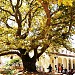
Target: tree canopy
36, 25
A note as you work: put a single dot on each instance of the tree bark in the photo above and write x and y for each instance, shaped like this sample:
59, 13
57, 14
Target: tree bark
29, 64
45, 6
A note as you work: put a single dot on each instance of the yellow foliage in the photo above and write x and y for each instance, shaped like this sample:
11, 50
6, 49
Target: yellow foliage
60, 2
68, 2
58, 14
65, 2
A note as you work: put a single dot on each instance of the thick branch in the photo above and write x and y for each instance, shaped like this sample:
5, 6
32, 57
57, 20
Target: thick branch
71, 20
18, 18
17, 5
42, 50
45, 6
35, 52
10, 52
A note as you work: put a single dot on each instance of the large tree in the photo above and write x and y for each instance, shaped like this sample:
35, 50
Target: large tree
34, 25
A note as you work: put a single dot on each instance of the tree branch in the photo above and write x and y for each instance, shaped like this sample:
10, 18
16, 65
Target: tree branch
10, 52
71, 20
65, 22
45, 6
36, 11
28, 11
12, 6
23, 36
42, 50
54, 12
11, 19
20, 4
18, 18
8, 26
7, 11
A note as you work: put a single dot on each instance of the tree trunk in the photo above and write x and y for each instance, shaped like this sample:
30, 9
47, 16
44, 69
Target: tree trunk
29, 64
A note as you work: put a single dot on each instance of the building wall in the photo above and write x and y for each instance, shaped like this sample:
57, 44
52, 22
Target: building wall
68, 62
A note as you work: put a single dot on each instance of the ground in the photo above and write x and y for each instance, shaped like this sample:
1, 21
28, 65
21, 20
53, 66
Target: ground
19, 71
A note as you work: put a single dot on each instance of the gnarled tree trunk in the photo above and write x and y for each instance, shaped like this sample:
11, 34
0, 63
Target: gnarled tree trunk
29, 64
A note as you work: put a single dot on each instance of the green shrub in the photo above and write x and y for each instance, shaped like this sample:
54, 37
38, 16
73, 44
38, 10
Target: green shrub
13, 61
